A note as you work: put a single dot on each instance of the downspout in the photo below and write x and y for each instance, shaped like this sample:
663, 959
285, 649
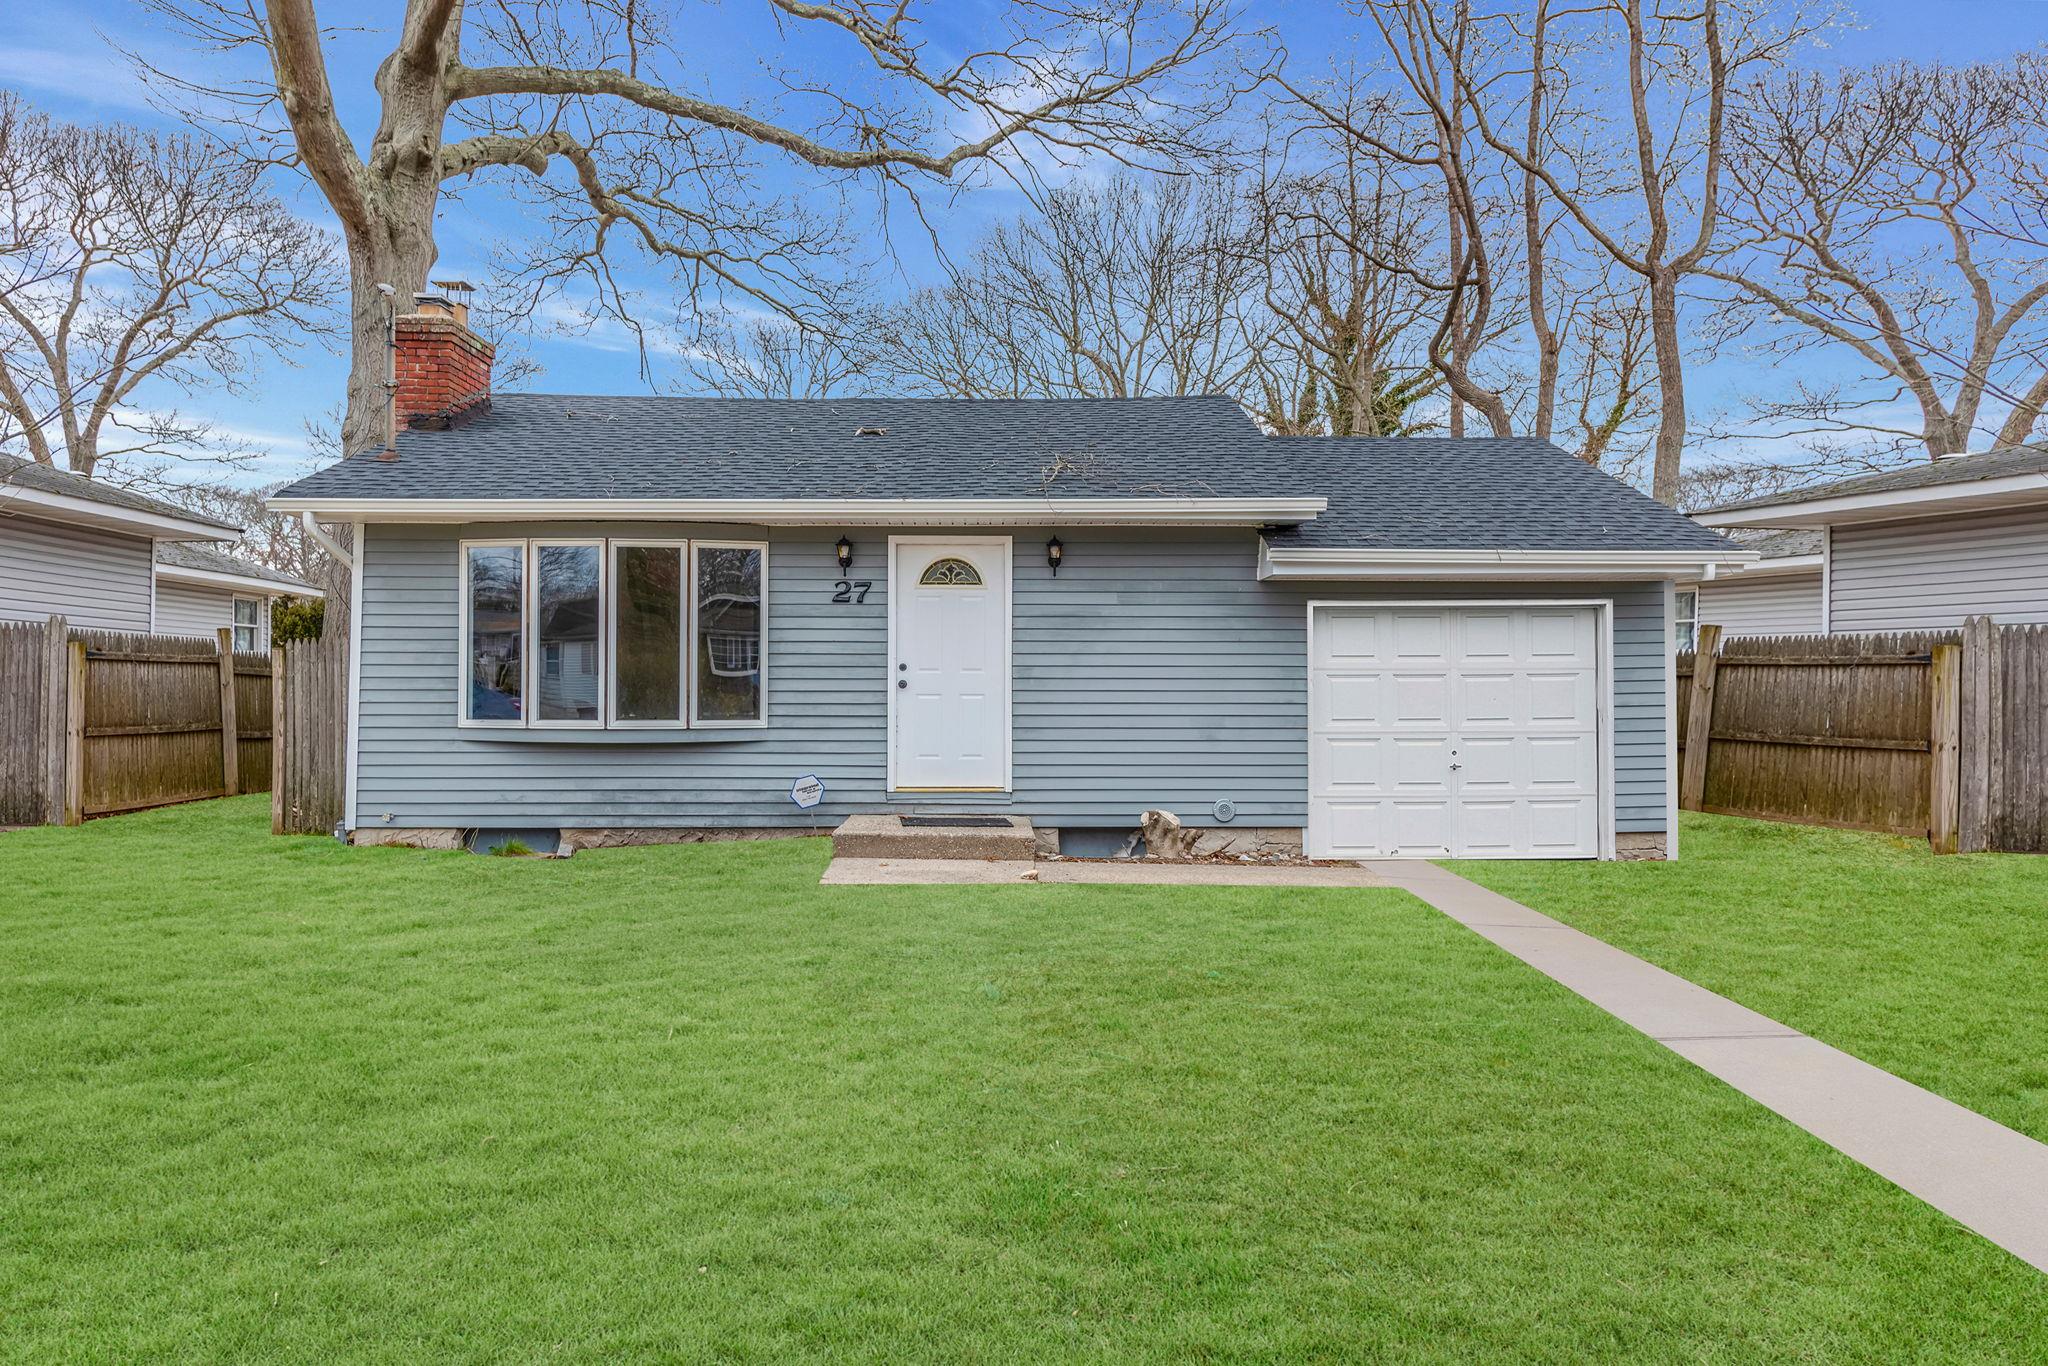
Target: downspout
327, 542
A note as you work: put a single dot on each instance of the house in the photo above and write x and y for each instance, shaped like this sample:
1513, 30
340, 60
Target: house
1070, 611
104, 558
1778, 595
199, 590
1919, 548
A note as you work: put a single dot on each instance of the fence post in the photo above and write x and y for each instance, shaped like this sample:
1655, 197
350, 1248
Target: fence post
1980, 698
1944, 798
230, 734
277, 739
56, 691
1699, 718
74, 733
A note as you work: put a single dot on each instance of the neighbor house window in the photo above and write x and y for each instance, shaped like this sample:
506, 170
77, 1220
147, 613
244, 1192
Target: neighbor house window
650, 599
727, 633
622, 633
1688, 624
246, 610
494, 633
568, 624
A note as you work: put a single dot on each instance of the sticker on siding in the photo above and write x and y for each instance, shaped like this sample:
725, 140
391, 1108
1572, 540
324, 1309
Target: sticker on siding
807, 791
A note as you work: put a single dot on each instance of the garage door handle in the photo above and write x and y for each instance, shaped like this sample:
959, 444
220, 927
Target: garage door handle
1456, 767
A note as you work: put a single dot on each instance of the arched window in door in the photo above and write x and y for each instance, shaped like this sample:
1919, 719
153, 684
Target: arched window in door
950, 572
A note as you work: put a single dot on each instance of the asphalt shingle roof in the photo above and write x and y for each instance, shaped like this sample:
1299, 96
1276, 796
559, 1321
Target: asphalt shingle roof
29, 474
1777, 545
1395, 492
1512, 493
1962, 469
183, 555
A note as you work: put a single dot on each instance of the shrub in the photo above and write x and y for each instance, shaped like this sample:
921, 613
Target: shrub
296, 619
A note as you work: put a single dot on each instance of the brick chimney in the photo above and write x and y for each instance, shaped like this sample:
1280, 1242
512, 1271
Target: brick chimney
443, 368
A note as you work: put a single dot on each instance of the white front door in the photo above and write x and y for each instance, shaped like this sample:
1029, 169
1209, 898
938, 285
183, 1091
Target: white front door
1454, 731
949, 665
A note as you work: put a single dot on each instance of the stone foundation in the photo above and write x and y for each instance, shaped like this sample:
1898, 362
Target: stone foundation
1631, 846
620, 837
1270, 841
406, 838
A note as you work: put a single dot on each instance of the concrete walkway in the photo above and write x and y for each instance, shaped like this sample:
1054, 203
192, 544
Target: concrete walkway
957, 872
1979, 1173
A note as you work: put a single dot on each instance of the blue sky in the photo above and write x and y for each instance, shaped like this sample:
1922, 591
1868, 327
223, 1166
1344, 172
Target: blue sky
58, 56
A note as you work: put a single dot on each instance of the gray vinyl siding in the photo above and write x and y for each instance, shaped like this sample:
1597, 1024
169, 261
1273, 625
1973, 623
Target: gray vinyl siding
1930, 574
93, 578
1781, 605
1155, 670
186, 609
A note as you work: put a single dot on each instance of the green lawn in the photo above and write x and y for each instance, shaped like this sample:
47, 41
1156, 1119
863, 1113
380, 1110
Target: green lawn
277, 1099
1933, 968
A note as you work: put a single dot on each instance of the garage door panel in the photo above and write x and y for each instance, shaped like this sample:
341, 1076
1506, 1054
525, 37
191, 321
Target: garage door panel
1421, 827
1462, 731
1561, 761
1558, 698
1486, 698
1560, 826
1345, 699
1421, 763
1355, 763
1343, 637
1420, 635
1486, 638
1421, 699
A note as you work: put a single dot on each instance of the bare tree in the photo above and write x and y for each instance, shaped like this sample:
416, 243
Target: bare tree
1114, 289
654, 159
1343, 256
1885, 214
1679, 67
134, 267
772, 357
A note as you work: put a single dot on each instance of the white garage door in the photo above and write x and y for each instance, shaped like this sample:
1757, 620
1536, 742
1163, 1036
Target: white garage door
1459, 731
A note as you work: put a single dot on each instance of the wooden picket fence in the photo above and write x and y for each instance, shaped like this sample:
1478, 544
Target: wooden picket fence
1941, 735
102, 722
310, 682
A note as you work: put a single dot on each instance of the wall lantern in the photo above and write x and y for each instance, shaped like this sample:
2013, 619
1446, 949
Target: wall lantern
1053, 551
845, 548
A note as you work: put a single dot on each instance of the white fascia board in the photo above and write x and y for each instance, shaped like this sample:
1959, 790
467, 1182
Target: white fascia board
62, 507
240, 583
1352, 563
1783, 564
823, 511
2012, 490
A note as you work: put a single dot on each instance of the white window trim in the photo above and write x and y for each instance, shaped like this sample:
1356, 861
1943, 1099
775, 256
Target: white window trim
534, 546
690, 637
530, 648
255, 626
687, 571
462, 658
1680, 621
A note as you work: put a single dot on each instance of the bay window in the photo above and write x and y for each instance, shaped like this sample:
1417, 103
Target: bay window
622, 633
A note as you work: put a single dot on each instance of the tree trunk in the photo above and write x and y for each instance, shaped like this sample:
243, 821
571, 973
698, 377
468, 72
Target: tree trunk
401, 261
1946, 434
1670, 384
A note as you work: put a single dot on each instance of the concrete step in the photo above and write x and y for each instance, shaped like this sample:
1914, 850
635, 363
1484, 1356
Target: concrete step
948, 836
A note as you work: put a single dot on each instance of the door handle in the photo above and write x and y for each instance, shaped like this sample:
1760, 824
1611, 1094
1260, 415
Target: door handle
1456, 767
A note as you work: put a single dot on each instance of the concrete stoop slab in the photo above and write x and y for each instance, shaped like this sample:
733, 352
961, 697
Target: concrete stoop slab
888, 837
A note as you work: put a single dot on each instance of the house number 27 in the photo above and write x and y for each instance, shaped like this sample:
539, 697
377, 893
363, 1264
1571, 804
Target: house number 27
852, 590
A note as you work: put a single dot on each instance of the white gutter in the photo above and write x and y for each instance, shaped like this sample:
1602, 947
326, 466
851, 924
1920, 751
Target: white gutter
1887, 504
63, 507
1358, 563
244, 583
823, 511
327, 542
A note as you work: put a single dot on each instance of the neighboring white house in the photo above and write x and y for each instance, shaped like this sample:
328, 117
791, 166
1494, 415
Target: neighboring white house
1919, 548
199, 590
1779, 595
104, 558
